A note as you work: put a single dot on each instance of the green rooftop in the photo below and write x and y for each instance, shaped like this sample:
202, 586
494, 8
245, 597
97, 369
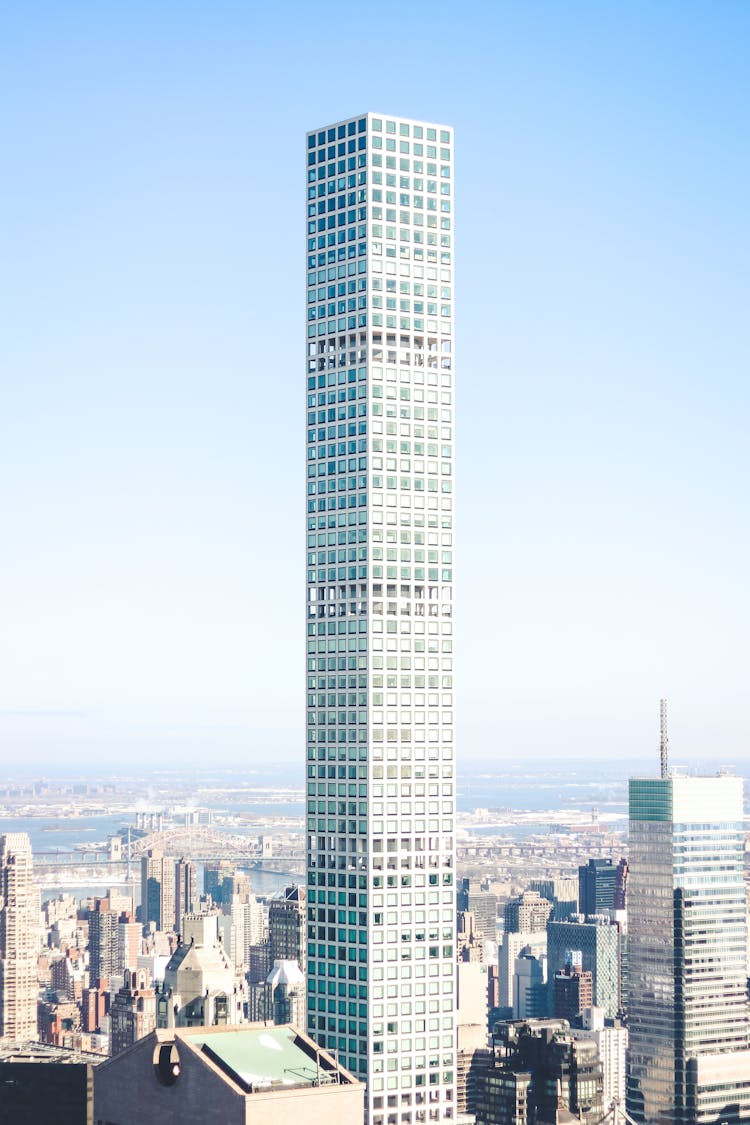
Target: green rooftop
258, 1058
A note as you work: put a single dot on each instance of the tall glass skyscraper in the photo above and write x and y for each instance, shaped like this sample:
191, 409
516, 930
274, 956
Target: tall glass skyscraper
380, 553
689, 1031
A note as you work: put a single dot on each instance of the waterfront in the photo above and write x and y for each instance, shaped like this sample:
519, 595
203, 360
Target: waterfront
69, 821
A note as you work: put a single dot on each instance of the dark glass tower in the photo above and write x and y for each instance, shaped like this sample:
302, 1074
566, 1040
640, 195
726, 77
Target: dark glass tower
596, 886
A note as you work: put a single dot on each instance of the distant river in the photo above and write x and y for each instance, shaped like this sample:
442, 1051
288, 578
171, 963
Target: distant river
562, 785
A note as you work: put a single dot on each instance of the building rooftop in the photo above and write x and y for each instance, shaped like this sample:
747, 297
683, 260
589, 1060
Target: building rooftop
16, 1052
263, 1057
285, 972
230, 1073
258, 1057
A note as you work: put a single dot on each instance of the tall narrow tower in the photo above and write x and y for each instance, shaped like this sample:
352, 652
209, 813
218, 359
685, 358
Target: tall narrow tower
19, 922
689, 1030
380, 545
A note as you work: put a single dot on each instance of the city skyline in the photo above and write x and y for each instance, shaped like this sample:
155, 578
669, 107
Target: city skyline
146, 362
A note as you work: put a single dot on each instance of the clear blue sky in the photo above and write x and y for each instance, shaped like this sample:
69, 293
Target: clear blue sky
151, 367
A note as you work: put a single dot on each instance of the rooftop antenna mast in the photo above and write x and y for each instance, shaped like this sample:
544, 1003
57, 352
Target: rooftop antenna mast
664, 739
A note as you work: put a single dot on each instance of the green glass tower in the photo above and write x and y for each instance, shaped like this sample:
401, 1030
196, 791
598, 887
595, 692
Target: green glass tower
689, 1033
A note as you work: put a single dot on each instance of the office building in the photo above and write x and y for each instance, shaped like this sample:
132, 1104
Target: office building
472, 1059
529, 986
471, 993
527, 913
185, 892
232, 1075
287, 946
689, 1032
539, 1072
572, 991
509, 950
104, 945
597, 881
217, 877
231, 925
41, 1083
482, 904
95, 1008
380, 541
611, 1039
598, 940
562, 892
470, 943
621, 886
129, 934
259, 963
19, 926
158, 890
132, 1013
287, 926
256, 923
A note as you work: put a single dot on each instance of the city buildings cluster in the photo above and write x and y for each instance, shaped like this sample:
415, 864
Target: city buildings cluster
386, 986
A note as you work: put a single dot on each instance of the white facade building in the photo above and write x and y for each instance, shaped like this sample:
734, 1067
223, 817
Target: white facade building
471, 993
380, 543
200, 985
612, 1043
529, 987
509, 949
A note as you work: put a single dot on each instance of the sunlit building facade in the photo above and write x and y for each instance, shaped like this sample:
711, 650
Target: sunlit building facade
380, 554
19, 928
688, 1059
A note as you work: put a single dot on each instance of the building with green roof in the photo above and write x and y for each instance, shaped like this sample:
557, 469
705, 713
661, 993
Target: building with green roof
253, 1074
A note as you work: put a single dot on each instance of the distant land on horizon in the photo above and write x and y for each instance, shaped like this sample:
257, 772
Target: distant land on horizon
291, 770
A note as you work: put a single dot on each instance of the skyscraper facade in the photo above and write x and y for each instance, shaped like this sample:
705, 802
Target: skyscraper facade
597, 881
287, 926
689, 1030
482, 904
599, 943
527, 913
158, 889
104, 946
184, 890
380, 544
19, 923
